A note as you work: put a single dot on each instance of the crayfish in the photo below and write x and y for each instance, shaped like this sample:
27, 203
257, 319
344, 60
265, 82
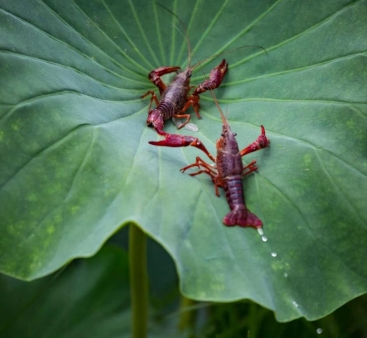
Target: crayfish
228, 172
175, 100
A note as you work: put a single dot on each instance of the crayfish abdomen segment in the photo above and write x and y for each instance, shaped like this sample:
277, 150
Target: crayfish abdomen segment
234, 191
239, 214
166, 109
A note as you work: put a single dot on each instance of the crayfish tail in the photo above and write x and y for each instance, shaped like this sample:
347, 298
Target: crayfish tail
243, 218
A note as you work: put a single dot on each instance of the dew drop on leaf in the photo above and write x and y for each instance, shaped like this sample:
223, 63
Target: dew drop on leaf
192, 127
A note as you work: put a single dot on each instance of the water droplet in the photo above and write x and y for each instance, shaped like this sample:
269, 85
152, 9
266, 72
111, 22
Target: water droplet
274, 254
295, 303
285, 275
260, 231
319, 330
264, 238
191, 127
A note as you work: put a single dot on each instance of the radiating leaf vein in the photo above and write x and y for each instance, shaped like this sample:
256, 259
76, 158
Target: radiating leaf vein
329, 176
301, 34
295, 70
42, 151
107, 38
143, 35
131, 42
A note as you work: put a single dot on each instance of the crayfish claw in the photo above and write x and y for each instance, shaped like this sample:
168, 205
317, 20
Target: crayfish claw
215, 78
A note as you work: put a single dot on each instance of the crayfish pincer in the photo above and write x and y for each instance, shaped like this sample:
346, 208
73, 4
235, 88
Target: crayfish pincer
228, 172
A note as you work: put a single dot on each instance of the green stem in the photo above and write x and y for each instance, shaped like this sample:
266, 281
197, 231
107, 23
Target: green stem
187, 316
138, 281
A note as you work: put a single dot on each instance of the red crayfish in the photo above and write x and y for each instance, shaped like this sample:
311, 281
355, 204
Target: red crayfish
175, 100
228, 172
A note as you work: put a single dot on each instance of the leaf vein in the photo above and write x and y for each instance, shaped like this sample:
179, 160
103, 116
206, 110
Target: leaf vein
60, 41
40, 152
294, 70
352, 3
53, 63
106, 37
142, 57
329, 176
142, 32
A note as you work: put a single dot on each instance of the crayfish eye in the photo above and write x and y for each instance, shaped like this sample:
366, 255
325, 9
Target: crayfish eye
234, 134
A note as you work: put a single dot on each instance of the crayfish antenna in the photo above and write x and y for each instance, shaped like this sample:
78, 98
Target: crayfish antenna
224, 120
186, 36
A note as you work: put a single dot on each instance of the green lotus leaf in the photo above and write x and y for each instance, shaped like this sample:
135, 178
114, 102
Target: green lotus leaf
76, 164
